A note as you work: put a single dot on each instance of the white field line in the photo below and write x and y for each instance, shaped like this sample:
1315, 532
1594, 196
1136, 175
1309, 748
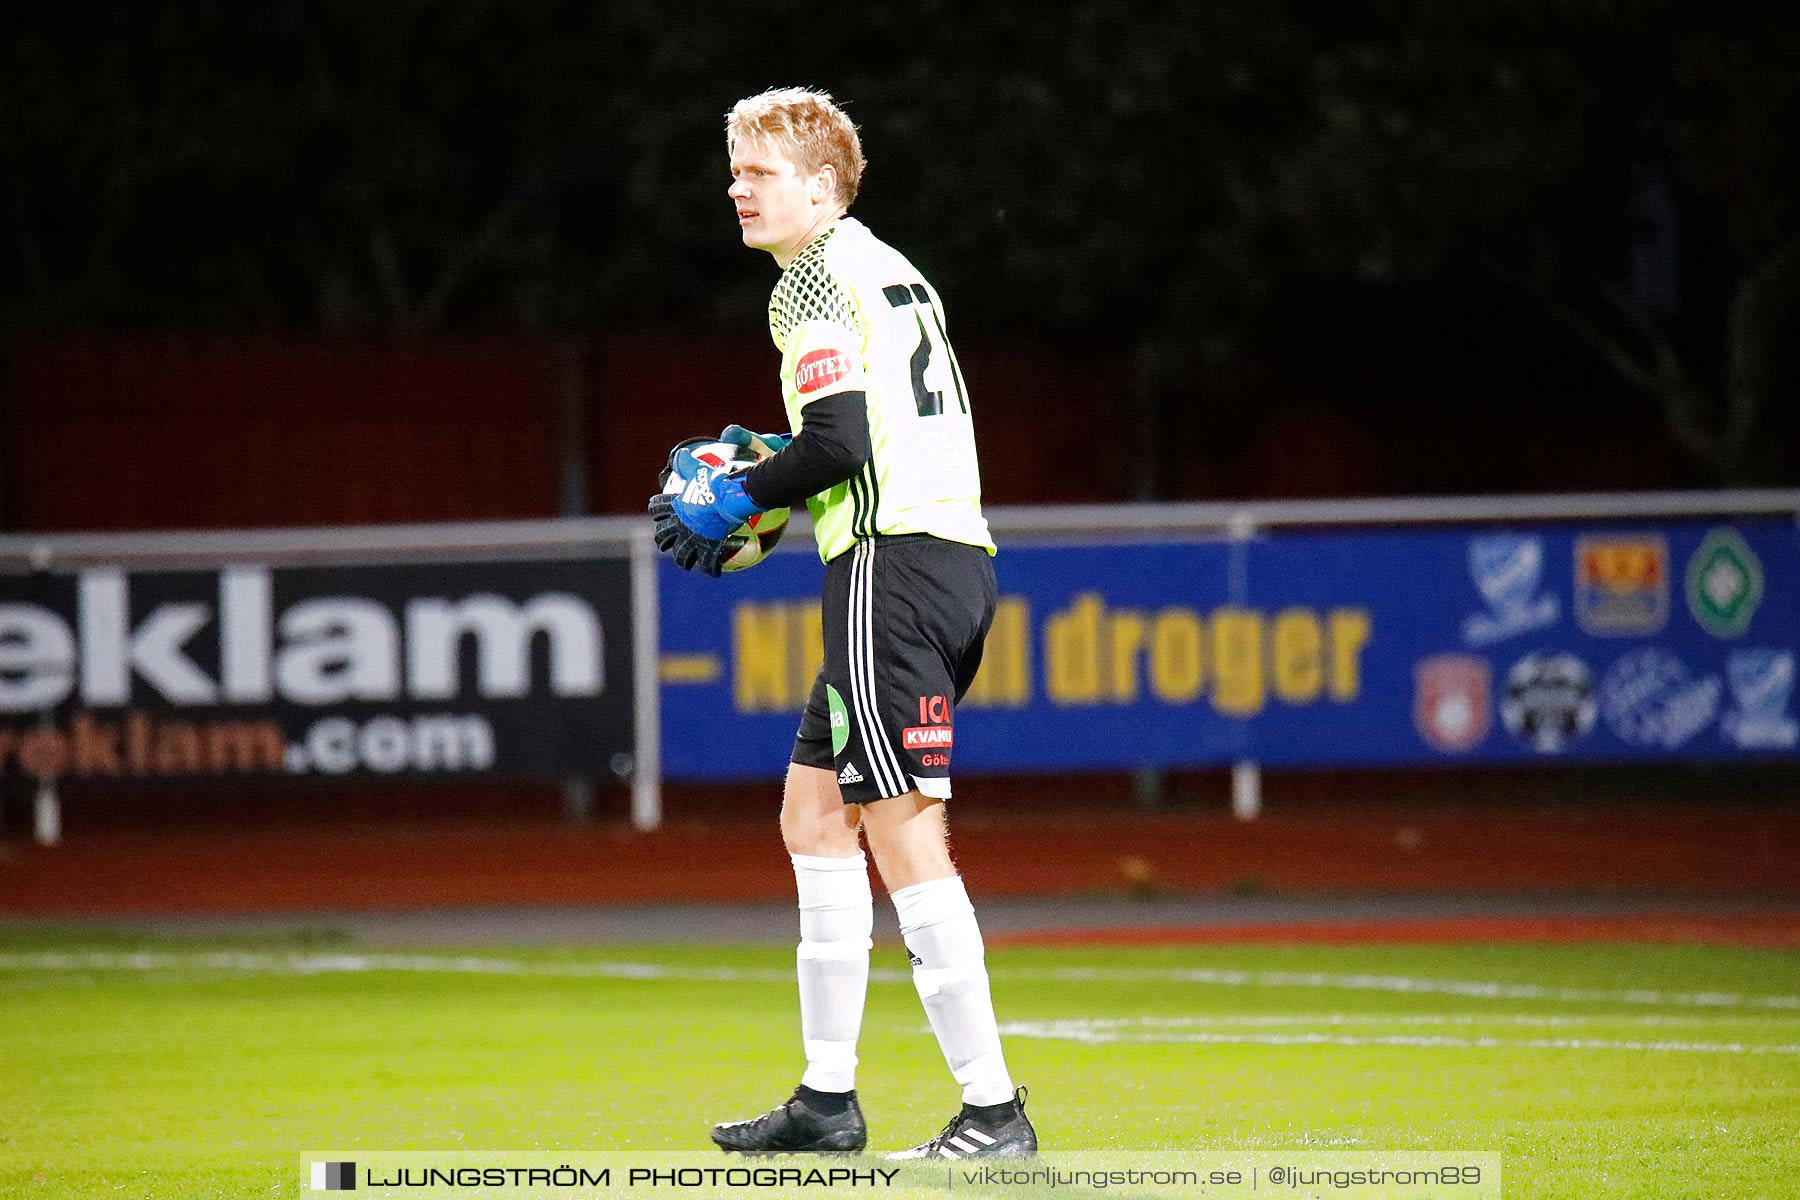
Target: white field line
1518, 1020
321, 964
1113, 1032
330, 964
1480, 989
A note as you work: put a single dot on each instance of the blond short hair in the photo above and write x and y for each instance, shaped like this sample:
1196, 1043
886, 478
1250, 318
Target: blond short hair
808, 126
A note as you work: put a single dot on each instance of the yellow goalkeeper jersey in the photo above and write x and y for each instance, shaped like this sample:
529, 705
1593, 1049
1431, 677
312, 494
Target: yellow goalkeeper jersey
850, 313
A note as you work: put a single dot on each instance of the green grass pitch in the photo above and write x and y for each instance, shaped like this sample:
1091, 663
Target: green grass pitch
175, 1067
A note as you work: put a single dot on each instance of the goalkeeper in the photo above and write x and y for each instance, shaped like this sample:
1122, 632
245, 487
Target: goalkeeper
883, 454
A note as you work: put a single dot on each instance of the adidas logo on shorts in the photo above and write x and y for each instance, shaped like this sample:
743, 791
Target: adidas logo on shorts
850, 774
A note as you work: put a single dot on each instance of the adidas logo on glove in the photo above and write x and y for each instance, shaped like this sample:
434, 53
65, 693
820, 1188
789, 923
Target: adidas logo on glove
699, 489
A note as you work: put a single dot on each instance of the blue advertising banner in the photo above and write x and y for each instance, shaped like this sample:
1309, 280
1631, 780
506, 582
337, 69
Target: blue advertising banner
1615, 642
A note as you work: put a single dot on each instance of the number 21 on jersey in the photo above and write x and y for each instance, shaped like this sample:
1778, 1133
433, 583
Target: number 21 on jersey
933, 366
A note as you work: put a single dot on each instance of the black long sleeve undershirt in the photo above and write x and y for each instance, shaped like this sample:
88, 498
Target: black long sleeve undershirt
832, 445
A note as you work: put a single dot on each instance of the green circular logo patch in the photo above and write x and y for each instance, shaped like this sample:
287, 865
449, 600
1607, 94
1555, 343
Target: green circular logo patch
840, 720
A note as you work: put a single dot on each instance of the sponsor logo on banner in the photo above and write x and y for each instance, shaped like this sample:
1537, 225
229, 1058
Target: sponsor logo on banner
926, 737
1549, 701
1507, 569
820, 368
1450, 701
1621, 583
331, 670
1761, 682
1724, 583
311, 650
1649, 699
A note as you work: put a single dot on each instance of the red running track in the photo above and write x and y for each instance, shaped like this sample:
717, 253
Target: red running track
1675, 851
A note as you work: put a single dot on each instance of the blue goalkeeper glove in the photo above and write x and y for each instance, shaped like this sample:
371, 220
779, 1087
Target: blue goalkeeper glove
690, 551
714, 501
692, 525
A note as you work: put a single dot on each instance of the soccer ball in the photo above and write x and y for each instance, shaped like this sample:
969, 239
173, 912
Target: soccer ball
750, 542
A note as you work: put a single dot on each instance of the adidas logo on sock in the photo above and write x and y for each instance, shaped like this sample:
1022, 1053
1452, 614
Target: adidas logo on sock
850, 774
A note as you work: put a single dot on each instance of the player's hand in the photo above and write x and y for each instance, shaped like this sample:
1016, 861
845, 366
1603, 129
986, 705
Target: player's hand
714, 501
766, 445
690, 551
681, 460
692, 525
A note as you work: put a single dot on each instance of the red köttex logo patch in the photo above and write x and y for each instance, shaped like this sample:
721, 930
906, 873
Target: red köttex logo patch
926, 737
820, 368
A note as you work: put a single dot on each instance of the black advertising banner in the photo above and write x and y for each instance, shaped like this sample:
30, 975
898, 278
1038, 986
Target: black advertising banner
430, 669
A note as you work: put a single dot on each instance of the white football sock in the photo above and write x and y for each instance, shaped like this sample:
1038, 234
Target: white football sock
837, 913
950, 971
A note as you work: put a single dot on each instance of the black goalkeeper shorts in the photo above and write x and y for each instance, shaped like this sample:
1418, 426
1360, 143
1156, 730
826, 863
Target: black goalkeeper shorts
904, 622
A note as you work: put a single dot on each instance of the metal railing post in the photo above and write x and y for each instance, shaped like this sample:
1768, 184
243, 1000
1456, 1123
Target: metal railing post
646, 637
1246, 775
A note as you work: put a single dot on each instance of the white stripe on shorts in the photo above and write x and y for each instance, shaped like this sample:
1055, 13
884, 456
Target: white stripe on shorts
862, 664
889, 778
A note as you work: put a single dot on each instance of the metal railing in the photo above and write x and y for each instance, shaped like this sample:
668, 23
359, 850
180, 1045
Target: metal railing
614, 535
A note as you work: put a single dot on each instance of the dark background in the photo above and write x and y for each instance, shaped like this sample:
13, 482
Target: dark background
286, 262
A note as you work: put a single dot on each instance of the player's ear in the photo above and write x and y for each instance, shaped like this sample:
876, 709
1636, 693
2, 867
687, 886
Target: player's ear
824, 184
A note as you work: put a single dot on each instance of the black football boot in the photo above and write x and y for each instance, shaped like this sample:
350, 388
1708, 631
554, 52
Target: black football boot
809, 1123
995, 1131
